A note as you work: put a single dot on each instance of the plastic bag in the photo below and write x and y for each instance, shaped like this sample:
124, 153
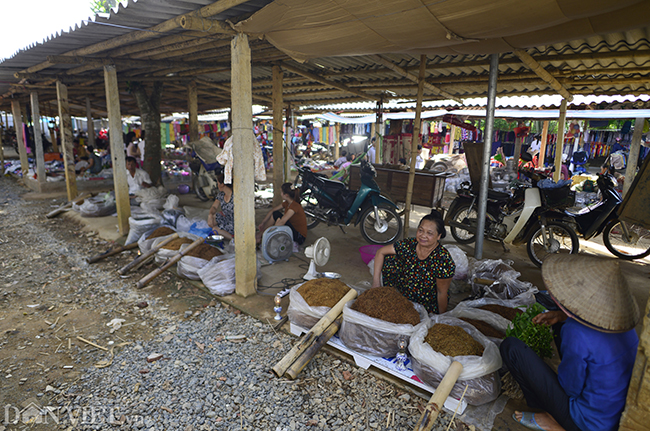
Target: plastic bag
139, 225
171, 216
460, 260
145, 244
201, 229
171, 202
151, 194
183, 224
218, 275
376, 337
163, 254
98, 206
506, 284
302, 314
479, 372
188, 267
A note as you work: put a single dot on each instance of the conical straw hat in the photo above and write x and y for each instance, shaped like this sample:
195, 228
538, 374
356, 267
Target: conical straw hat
593, 290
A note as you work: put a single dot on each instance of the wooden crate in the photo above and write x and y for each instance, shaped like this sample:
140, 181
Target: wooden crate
428, 187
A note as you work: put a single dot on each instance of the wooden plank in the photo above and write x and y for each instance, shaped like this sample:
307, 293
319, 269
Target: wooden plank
244, 174
559, 146
20, 139
278, 154
474, 158
91, 125
65, 128
120, 183
542, 150
38, 139
193, 109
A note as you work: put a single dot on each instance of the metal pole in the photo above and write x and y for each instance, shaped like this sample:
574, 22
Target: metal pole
487, 147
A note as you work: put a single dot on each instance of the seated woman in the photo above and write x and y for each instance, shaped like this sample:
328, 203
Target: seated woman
293, 216
420, 268
94, 162
598, 346
222, 211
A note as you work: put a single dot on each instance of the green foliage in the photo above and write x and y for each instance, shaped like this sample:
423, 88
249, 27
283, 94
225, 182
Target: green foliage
537, 337
104, 6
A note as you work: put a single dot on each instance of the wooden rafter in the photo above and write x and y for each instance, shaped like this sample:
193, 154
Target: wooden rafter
537, 68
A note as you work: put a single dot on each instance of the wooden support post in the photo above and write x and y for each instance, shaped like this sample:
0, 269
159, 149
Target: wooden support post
65, 129
90, 125
379, 132
288, 156
559, 146
633, 157
120, 183
414, 144
55, 145
193, 110
337, 144
38, 139
20, 139
243, 172
517, 151
2, 150
452, 137
278, 154
542, 149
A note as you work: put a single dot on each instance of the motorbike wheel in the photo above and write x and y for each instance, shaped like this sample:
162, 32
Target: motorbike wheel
309, 204
635, 247
561, 237
384, 230
465, 216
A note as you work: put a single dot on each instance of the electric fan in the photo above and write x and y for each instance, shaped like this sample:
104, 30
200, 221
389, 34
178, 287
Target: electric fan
319, 252
277, 243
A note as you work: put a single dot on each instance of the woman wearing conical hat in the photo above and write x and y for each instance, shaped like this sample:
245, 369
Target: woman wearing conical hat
598, 347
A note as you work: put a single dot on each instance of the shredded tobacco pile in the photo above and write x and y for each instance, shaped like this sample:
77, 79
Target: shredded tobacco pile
484, 328
387, 304
505, 312
204, 251
323, 292
176, 243
161, 231
452, 341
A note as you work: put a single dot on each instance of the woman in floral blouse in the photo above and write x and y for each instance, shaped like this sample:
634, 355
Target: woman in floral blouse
420, 268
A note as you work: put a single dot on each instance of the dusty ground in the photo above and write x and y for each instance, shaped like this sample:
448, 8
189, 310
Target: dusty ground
50, 298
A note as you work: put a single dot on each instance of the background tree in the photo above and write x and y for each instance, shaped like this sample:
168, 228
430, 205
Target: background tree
149, 105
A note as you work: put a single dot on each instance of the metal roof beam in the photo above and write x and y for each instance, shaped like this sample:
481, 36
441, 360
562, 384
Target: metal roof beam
529, 61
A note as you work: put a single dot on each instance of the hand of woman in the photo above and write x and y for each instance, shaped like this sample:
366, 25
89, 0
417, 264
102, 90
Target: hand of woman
550, 318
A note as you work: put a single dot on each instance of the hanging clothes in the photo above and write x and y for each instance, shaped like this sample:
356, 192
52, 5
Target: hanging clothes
225, 158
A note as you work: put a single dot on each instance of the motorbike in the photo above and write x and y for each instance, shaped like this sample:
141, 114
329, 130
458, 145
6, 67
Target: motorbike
331, 202
205, 168
528, 215
624, 240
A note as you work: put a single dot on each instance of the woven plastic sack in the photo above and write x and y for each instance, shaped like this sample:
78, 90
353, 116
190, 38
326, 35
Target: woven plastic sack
218, 275
375, 337
188, 267
506, 283
302, 314
98, 206
479, 372
139, 225
145, 244
164, 254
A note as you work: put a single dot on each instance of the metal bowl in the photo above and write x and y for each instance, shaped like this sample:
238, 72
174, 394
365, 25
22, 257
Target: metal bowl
330, 275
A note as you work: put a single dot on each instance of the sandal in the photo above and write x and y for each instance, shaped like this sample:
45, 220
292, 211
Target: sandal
528, 420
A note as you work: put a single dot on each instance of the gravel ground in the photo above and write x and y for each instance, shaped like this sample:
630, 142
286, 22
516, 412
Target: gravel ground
202, 381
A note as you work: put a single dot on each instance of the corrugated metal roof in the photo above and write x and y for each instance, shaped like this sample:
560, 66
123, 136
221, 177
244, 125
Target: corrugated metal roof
609, 64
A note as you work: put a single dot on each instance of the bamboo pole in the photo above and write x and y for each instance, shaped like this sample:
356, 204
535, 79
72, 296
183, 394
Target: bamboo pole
632, 159
301, 362
379, 132
278, 154
38, 140
559, 146
193, 110
414, 144
20, 139
529, 61
306, 340
112, 252
156, 272
452, 138
65, 126
541, 162
146, 255
432, 410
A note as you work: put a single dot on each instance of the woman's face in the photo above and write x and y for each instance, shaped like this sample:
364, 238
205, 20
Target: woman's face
427, 234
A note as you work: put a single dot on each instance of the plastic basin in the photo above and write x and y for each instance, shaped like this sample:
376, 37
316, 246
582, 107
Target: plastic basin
368, 252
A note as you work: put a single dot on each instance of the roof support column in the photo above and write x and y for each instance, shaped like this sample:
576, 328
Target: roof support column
38, 140
487, 147
90, 125
541, 157
193, 110
559, 146
452, 137
2, 150
288, 154
278, 147
120, 182
379, 132
65, 130
16, 112
243, 171
633, 157
415, 141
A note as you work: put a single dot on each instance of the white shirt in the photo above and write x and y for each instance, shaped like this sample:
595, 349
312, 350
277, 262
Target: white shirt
135, 181
419, 162
371, 154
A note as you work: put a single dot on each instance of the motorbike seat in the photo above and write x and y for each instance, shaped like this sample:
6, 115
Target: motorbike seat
332, 187
498, 196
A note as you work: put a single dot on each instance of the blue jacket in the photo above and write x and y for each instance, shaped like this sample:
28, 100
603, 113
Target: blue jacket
595, 373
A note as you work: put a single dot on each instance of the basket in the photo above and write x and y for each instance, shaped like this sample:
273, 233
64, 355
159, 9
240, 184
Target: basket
562, 197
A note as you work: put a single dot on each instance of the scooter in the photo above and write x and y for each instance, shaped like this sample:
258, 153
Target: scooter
331, 202
205, 168
624, 240
523, 217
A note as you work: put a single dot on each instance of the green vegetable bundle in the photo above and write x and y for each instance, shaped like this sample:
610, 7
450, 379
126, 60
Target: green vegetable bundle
537, 337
